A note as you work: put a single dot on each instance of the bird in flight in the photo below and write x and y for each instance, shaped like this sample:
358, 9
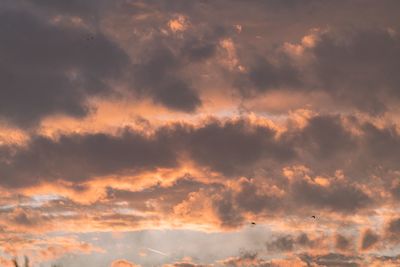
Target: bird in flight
313, 216
253, 223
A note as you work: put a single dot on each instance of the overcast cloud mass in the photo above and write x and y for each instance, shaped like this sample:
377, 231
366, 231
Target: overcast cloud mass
200, 133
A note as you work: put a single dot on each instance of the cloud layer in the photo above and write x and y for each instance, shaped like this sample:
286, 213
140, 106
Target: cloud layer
272, 123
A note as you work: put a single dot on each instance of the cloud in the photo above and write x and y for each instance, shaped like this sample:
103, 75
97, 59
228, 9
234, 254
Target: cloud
178, 24
386, 260
332, 259
253, 259
326, 136
170, 195
47, 248
166, 69
157, 75
305, 241
289, 243
358, 68
284, 243
73, 59
81, 157
186, 264
338, 196
251, 199
355, 68
27, 218
99, 154
369, 239
234, 147
247, 258
381, 144
393, 230
123, 263
226, 210
342, 242
90, 10
50, 68
256, 118
263, 75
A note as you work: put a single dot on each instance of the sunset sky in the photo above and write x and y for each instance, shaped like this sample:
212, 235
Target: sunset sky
207, 133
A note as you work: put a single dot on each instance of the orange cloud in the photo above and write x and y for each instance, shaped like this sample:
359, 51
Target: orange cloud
123, 263
178, 24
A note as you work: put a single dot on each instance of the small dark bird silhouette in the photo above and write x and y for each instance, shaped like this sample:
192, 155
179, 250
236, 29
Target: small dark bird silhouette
313, 217
253, 223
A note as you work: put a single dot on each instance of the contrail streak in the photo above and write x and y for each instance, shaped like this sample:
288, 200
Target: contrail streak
158, 252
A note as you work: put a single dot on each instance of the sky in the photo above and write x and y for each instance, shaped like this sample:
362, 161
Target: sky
200, 133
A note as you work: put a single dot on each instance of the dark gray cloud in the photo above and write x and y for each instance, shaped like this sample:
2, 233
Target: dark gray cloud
332, 259
287, 243
76, 157
338, 196
342, 242
354, 66
276, 21
369, 239
283, 243
246, 259
232, 147
382, 144
157, 75
326, 144
263, 75
326, 137
235, 147
88, 10
226, 210
27, 217
300, 195
393, 228
50, 68
250, 199
359, 68
329, 143
80, 157
160, 70
22, 218
395, 190
304, 240
59, 55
